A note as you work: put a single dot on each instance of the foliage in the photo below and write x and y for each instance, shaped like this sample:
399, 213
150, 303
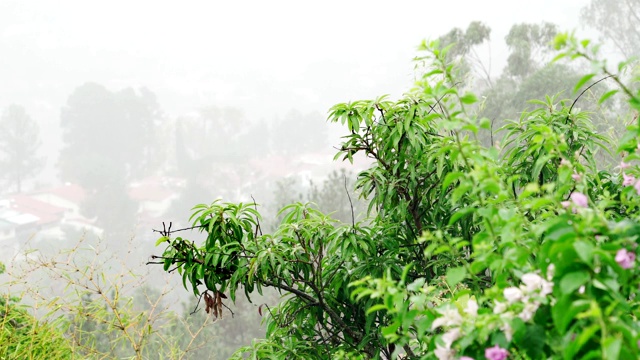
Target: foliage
525, 249
558, 250
93, 306
24, 337
19, 143
333, 196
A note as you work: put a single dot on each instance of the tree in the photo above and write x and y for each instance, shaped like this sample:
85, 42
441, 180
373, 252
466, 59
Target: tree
406, 197
617, 22
463, 51
19, 143
107, 134
109, 140
528, 75
528, 43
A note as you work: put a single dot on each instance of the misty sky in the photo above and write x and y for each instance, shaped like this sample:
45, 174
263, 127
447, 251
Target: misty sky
265, 57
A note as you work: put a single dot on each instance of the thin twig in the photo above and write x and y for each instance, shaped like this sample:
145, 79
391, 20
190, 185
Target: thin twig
258, 227
195, 310
585, 90
169, 232
353, 217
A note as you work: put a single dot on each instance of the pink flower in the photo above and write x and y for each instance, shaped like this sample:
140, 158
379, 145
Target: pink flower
637, 187
628, 180
466, 358
565, 162
576, 177
496, 353
625, 258
579, 199
565, 204
624, 165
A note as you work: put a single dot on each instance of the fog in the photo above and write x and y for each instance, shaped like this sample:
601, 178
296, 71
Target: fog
148, 108
264, 59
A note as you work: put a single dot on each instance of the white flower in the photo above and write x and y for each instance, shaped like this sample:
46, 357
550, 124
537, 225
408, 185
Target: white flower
450, 336
581, 289
551, 270
528, 311
512, 294
532, 281
472, 308
499, 308
443, 353
450, 317
547, 288
507, 330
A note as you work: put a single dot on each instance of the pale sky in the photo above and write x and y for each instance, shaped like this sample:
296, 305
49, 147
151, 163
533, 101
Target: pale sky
265, 57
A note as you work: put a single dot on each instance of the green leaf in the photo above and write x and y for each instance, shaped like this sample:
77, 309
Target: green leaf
607, 95
485, 123
391, 329
375, 308
582, 81
584, 335
534, 341
584, 250
450, 178
469, 98
565, 311
612, 348
455, 275
573, 280
460, 214
161, 240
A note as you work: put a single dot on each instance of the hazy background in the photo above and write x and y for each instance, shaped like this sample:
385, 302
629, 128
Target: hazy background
262, 57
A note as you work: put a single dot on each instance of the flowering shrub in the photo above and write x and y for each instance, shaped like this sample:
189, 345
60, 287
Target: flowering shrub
550, 269
524, 250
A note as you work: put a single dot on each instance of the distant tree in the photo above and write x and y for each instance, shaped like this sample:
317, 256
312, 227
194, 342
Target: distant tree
530, 46
617, 21
337, 196
103, 127
464, 44
529, 75
211, 148
109, 140
214, 134
19, 143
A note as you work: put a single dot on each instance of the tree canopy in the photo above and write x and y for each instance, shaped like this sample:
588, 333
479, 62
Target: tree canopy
19, 144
